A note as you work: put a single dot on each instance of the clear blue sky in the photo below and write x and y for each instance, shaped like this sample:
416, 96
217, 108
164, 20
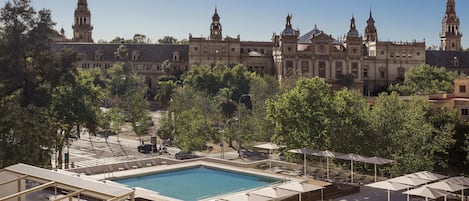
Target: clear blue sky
256, 20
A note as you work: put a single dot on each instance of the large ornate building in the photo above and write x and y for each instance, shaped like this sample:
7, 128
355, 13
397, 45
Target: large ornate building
359, 61
365, 64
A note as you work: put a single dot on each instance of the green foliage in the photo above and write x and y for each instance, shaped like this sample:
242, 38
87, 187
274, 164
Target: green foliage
167, 40
425, 79
300, 115
193, 136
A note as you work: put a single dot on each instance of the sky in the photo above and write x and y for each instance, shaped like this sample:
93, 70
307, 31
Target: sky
256, 20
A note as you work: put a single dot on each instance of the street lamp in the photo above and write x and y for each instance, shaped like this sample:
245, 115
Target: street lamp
239, 118
222, 147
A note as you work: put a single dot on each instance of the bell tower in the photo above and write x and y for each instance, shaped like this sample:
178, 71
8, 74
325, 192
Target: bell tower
371, 35
450, 35
215, 27
82, 29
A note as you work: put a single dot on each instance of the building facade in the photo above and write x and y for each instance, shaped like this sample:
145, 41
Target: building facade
255, 56
364, 64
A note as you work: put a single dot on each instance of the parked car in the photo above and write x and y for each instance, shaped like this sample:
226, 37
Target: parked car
147, 148
182, 155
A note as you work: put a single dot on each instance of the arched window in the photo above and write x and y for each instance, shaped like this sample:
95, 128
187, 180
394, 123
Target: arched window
176, 56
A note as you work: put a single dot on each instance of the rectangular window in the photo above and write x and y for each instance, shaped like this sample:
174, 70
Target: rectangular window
322, 69
365, 72
338, 69
304, 67
355, 69
462, 88
464, 111
382, 74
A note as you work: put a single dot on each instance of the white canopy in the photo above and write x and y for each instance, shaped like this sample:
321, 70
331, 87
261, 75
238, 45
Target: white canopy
446, 186
426, 192
300, 187
303, 151
390, 186
328, 154
427, 175
376, 161
273, 192
269, 146
352, 157
244, 197
412, 181
459, 180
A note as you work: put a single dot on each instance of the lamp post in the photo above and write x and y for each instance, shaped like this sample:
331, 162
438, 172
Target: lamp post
239, 118
222, 147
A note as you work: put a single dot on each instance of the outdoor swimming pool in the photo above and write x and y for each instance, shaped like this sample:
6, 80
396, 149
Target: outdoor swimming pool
197, 183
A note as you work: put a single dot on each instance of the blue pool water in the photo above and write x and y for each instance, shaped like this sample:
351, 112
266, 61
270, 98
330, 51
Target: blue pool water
196, 183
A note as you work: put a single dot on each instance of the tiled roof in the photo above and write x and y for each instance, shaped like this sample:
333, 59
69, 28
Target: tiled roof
447, 59
148, 52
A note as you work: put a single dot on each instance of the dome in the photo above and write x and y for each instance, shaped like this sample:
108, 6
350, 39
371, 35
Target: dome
288, 31
307, 37
353, 33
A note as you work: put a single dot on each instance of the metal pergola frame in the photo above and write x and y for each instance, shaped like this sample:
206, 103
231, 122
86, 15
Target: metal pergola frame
51, 182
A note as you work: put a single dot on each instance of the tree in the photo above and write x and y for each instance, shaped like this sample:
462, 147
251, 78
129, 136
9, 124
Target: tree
167, 40
300, 115
30, 73
425, 79
75, 106
402, 132
193, 136
348, 122
141, 39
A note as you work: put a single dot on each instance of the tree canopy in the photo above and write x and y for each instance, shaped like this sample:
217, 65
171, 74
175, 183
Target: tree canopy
426, 79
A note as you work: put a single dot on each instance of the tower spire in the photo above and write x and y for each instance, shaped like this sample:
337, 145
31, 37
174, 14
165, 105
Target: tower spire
215, 27
371, 34
450, 34
82, 28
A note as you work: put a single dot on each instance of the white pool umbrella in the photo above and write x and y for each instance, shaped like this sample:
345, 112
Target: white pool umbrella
411, 181
301, 188
328, 154
427, 175
447, 186
269, 146
376, 161
275, 193
352, 157
463, 181
426, 192
244, 197
304, 151
390, 186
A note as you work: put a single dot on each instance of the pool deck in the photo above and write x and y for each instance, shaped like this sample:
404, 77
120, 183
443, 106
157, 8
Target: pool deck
151, 195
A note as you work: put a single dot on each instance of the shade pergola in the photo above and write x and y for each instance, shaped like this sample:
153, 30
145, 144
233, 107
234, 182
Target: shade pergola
328, 154
352, 157
301, 188
304, 151
389, 186
274, 193
269, 146
448, 186
376, 161
77, 186
426, 192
